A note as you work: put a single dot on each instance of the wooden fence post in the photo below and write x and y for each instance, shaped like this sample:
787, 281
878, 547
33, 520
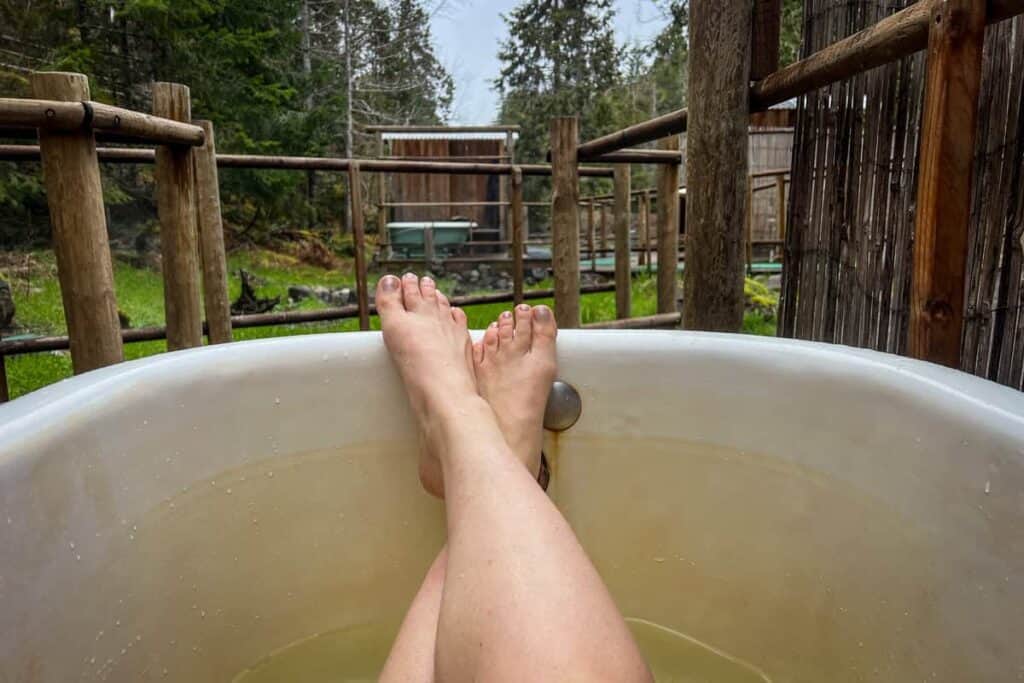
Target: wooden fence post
623, 253
645, 227
565, 220
602, 245
518, 238
211, 240
5, 393
945, 168
383, 238
355, 195
717, 150
749, 238
591, 228
176, 207
765, 31
780, 206
74, 194
668, 229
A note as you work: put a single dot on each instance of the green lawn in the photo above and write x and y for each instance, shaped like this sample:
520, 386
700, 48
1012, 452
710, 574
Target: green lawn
140, 297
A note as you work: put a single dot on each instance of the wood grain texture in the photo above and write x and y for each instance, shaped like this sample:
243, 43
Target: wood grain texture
355, 195
565, 220
668, 230
74, 194
518, 234
176, 208
717, 165
645, 230
623, 255
949, 126
211, 240
764, 40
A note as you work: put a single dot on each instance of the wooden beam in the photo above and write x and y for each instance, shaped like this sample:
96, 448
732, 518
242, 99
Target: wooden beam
355, 194
764, 39
623, 255
640, 156
717, 176
176, 207
440, 129
645, 235
668, 230
381, 179
518, 236
662, 321
591, 232
73, 116
211, 240
780, 206
897, 36
74, 193
565, 221
945, 168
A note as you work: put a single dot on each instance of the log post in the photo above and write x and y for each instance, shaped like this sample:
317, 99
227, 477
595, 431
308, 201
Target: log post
766, 29
750, 226
623, 254
176, 207
565, 220
428, 245
945, 168
74, 194
591, 228
382, 210
211, 240
602, 247
668, 229
5, 393
355, 195
717, 152
780, 205
518, 237
645, 229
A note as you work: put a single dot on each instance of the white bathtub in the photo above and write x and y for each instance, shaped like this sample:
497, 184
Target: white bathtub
819, 512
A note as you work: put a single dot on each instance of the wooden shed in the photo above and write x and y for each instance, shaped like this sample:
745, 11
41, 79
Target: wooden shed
481, 199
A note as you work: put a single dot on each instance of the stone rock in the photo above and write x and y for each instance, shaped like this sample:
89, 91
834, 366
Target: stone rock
300, 292
538, 274
485, 269
322, 293
474, 275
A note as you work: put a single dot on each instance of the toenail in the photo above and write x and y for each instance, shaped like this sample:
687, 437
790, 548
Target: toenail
389, 283
506, 315
409, 276
427, 281
543, 313
524, 308
493, 325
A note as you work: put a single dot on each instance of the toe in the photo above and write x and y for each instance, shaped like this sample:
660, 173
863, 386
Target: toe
478, 353
428, 289
491, 341
411, 291
524, 328
544, 328
389, 296
459, 316
506, 328
444, 304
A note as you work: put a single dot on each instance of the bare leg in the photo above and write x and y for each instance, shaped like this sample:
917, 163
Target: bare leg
520, 600
515, 384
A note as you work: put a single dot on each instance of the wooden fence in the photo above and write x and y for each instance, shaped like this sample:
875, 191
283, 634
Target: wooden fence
854, 203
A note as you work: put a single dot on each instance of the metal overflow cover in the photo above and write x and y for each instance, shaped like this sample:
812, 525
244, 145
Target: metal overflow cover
564, 407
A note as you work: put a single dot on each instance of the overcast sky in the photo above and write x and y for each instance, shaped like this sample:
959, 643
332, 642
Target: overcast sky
467, 34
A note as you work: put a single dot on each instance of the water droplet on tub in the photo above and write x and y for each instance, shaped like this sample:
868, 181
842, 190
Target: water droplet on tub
71, 544
78, 557
117, 623
145, 422
324, 357
659, 559
277, 401
270, 473
988, 487
228, 491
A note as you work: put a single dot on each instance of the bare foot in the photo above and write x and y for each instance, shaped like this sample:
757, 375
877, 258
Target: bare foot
430, 344
515, 366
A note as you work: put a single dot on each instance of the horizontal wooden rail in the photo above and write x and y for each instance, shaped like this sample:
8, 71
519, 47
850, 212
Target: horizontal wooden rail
42, 344
475, 157
895, 37
662, 321
145, 156
71, 116
441, 129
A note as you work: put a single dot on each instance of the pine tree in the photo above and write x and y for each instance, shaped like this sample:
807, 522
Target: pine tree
560, 58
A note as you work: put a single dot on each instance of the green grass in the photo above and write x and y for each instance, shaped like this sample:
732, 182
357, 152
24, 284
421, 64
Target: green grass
140, 297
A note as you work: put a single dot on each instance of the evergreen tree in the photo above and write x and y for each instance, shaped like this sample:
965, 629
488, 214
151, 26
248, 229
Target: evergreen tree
560, 58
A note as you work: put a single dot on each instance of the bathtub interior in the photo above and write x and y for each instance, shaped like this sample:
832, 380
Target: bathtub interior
805, 509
